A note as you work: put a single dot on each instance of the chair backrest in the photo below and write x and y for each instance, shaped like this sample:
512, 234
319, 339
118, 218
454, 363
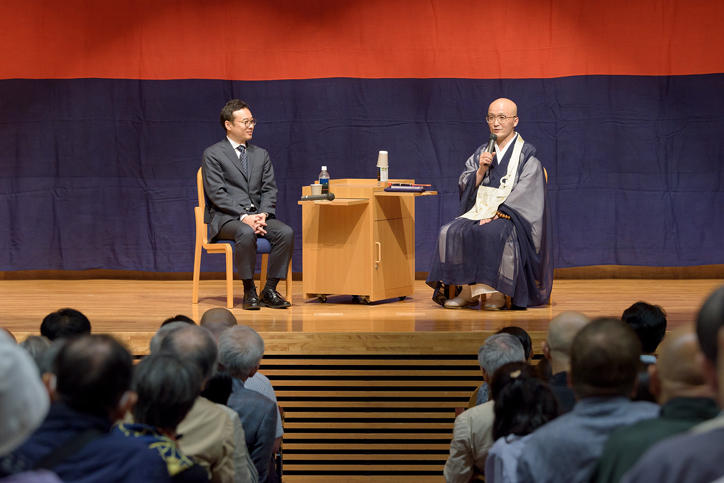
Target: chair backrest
201, 229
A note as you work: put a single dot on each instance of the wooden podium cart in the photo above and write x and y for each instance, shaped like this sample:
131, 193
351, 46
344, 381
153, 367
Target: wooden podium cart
361, 244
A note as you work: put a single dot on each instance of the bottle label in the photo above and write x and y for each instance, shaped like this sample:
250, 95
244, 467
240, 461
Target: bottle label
325, 185
383, 175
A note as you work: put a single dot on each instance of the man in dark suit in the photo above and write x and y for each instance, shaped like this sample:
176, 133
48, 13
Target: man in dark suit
241, 196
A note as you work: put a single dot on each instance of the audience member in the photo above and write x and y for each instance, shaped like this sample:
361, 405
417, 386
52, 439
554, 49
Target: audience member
65, 323
482, 393
698, 455
240, 351
23, 405
212, 433
522, 336
154, 345
178, 318
36, 346
167, 388
219, 387
23, 399
472, 434
522, 404
604, 362
677, 381
9, 334
649, 323
557, 350
90, 387
218, 320
544, 371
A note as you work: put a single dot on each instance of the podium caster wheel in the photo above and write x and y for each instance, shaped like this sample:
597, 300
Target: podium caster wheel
322, 298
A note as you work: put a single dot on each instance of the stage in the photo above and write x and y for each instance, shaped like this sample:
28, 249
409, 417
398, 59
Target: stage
369, 392
133, 309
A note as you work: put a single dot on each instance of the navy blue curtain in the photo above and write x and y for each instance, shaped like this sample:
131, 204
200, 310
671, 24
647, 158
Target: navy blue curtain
100, 173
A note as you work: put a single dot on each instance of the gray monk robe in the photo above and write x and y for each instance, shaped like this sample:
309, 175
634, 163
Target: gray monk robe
514, 255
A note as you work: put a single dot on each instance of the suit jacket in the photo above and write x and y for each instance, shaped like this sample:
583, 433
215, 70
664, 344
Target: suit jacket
228, 192
259, 418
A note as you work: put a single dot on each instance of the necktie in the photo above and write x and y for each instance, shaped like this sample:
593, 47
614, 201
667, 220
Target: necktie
243, 159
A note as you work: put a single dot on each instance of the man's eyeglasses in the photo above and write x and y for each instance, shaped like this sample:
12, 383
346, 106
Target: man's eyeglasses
500, 118
248, 122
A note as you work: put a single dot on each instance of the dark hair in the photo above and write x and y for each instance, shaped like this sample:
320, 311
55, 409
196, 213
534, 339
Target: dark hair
544, 370
195, 345
522, 336
649, 323
93, 372
167, 388
605, 359
523, 402
227, 112
709, 321
65, 323
178, 318
218, 388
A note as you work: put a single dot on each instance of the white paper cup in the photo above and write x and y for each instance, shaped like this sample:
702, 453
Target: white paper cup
382, 159
316, 188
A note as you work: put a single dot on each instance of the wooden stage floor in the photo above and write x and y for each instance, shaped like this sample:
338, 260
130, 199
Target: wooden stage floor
133, 309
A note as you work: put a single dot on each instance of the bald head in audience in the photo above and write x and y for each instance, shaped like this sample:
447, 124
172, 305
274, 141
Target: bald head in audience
678, 371
193, 344
561, 331
709, 328
217, 320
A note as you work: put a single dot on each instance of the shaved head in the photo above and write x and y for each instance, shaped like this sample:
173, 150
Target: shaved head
678, 367
561, 331
502, 118
217, 320
503, 105
219, 314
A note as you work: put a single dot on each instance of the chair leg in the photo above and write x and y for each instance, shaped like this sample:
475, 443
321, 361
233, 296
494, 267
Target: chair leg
197, 274
229, 278
289, 282
263, 269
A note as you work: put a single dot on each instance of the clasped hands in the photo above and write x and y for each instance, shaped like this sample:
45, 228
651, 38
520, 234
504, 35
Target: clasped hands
256, 222
488, 220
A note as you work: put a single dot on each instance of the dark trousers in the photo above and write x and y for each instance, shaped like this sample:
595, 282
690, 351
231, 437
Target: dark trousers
279, 234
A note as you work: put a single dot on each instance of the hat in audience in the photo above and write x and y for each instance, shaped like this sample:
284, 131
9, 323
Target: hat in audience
23, 398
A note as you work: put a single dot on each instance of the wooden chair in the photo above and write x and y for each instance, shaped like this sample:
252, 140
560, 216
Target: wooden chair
263, 247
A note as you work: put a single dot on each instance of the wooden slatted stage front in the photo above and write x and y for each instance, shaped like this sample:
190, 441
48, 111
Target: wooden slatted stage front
369, 391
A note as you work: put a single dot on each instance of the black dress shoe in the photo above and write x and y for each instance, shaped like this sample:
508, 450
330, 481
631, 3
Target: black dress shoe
273, 299
251, 300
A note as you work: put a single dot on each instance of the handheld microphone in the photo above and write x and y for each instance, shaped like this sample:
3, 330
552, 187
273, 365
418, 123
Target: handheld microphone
491, 144
325, 197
